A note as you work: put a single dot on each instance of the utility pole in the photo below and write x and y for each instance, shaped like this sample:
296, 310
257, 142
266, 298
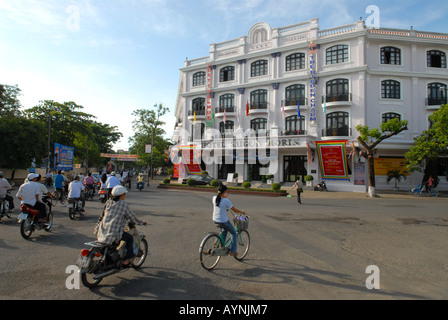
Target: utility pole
49, 145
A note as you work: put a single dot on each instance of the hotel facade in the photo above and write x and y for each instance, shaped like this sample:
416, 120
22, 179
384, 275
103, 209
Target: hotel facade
298, 86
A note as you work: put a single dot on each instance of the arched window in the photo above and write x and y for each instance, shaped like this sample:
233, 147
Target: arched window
295, 61
337, 90
226, 128
295, 94
294, 125
437, 93
390, 89
198, 106
199, 79
390, 55
259, 99
390, 115
259, 124
436, 59
259, 68
337, 124
337, 54
227, 102
227, 74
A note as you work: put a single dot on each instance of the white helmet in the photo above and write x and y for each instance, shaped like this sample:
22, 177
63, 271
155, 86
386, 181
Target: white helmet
118, 191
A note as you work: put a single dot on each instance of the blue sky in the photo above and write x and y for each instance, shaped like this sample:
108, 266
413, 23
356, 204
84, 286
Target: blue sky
116, 56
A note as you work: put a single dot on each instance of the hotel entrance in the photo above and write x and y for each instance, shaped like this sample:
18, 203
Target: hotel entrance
294, 168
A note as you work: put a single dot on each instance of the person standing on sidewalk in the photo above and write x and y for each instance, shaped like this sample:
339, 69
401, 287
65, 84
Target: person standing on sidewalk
299, 186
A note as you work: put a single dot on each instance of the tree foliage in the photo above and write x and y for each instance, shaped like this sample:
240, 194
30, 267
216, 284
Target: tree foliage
432, 143
369, 139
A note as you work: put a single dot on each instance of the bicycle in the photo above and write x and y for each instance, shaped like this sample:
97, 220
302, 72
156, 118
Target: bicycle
214, 246
58, 195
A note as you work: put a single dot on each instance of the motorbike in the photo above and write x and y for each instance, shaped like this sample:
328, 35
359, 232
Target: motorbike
89, 192
29, 221
103, 195
140, 185
100, 261
4, 208
322, 186
74, 206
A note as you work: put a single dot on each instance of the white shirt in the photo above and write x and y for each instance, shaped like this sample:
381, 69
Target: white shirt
4, 186
43, 190
28, 192
75, 188
220, 213
112, 181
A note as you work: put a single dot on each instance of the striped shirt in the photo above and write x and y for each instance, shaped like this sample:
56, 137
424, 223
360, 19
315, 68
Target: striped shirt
116, 216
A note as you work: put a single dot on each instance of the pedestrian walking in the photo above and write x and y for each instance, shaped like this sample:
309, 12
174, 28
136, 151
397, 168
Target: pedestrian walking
299, 186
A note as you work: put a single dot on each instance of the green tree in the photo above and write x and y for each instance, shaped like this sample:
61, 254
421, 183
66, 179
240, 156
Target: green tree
22, 140
9, 101
148, 131
430, 145
369, 139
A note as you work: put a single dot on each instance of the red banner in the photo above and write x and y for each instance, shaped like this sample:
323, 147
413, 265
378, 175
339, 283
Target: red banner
332, 159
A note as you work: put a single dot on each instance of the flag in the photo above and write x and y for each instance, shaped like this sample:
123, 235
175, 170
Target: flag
283, 108
247, 108
213, 116
298, 108
325, 105
195, 116
225, 116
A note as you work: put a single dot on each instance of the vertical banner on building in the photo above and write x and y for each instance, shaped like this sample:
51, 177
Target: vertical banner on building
63, 157
208, 110
332, 159
312, 53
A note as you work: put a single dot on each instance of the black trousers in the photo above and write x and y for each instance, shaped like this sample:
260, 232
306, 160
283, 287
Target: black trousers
298, 196
129, 245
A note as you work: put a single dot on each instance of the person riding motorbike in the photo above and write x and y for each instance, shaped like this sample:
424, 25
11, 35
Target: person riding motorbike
45, 195
112, 181
117, 214
4, 187
75, 189
89, 182
29, 193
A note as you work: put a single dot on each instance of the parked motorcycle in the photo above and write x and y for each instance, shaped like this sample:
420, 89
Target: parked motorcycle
322, 186
74, 207
29, 221
101, 261
103, 195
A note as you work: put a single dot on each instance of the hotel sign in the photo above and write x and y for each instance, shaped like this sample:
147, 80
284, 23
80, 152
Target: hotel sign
208, 110
312, 52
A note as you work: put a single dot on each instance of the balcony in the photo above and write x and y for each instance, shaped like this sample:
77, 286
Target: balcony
291, 104
230, 111
435, 103
293, 133
200, 114
257, 108
336, 133
343, 99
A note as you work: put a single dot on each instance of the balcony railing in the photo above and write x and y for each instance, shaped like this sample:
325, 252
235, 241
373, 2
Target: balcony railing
336, 132
227, 109
293, 133
198, 113
344, 97
295, 101
436, 101
258, 106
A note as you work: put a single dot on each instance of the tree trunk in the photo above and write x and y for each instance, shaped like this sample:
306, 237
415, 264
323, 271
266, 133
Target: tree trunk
371, 169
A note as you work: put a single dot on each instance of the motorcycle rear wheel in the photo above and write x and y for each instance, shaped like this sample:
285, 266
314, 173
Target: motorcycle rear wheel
26, 228
87, 276
72, 213
141, 255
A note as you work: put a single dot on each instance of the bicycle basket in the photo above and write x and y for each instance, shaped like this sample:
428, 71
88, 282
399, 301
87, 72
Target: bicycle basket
240, 223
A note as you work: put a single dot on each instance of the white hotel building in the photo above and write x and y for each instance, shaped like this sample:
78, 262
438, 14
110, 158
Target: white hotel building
364, 75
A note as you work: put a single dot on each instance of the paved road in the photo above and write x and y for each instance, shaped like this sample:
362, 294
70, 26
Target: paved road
317, 250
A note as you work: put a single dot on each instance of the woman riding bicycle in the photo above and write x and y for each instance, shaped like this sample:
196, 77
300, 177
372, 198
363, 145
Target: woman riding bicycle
220, 206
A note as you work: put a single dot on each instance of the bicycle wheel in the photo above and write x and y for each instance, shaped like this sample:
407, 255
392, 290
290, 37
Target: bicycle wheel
243, 244
207, 251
